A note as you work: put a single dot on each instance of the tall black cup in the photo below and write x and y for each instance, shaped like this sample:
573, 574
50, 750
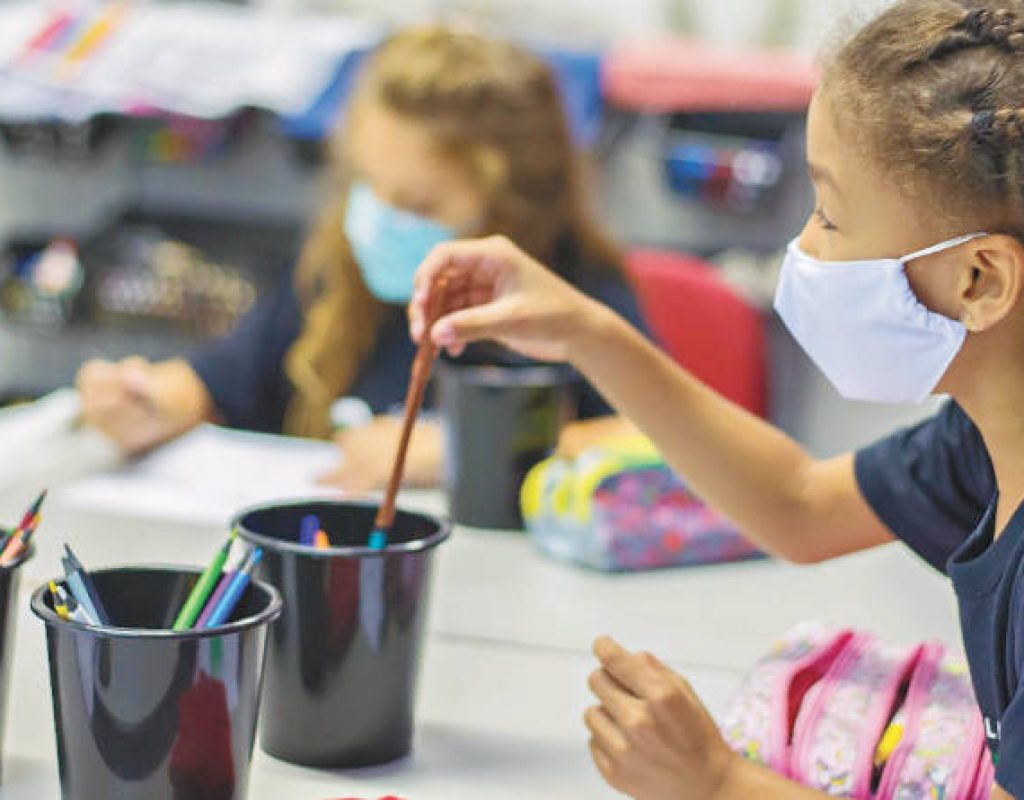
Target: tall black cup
10, 580
144, 712
499, 421
344, 657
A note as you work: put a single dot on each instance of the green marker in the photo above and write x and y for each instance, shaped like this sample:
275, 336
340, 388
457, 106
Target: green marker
204, 587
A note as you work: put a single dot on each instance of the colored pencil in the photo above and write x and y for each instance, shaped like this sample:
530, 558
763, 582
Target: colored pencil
200, 593
239, 582
236, 560
307, 529
60, 601
78, 612
16, 542
82, 587
67, 607
218, 593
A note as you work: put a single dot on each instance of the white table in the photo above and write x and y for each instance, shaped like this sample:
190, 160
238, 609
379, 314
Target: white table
503, 681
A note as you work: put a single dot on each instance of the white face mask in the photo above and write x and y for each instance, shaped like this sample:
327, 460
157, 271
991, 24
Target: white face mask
863, 326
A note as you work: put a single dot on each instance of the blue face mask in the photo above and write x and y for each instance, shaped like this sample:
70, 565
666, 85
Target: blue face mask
388, 243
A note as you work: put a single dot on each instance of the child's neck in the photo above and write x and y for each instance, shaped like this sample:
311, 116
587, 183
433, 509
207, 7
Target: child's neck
996, 405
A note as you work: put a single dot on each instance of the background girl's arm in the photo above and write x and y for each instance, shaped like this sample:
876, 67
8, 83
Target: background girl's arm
367, 455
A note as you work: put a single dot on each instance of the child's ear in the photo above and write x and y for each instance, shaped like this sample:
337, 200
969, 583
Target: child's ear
992, 283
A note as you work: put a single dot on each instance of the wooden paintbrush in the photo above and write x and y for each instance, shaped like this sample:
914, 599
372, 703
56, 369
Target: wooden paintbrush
419, 374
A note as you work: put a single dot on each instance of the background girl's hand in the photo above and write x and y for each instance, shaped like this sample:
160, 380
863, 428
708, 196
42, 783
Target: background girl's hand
495, 291
651, 737
139, 405
368, 452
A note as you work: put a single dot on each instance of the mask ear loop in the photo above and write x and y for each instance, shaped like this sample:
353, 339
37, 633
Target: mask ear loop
941, 246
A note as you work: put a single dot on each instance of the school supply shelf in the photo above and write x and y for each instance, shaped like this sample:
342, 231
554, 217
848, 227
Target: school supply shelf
188, 109
75, 61
156, 285
708, 146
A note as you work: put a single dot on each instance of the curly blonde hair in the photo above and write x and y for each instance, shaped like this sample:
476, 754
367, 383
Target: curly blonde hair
496, 109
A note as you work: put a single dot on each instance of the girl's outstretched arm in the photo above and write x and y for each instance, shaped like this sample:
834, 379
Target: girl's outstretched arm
792, 504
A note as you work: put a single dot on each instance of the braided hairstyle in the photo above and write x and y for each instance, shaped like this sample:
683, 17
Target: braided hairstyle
933, 90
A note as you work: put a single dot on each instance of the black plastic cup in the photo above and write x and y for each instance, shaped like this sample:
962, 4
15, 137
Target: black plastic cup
499, 422
344, 656
10, 580
144, 712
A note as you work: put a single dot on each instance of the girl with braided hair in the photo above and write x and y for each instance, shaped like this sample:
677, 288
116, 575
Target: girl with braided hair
907, 280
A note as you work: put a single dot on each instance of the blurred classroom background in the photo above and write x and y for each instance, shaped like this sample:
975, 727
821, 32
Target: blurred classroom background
158, 162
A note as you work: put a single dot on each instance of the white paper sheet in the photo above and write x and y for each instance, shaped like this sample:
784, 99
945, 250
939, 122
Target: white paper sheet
40, 447
207, 476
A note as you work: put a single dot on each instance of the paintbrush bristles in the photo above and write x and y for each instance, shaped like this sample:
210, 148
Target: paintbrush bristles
419, 374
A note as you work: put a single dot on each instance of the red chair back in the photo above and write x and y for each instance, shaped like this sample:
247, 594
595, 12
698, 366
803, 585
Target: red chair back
703, 324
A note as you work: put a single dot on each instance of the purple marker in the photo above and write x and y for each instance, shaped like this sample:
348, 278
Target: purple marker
218, 593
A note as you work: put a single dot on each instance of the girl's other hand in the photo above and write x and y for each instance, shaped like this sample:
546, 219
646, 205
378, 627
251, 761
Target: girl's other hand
493, 290
651, 737
367, 454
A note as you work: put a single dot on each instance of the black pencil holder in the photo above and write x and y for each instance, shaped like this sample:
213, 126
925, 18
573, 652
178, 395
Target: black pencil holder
344, 656
499, 422
145, 712
10, 580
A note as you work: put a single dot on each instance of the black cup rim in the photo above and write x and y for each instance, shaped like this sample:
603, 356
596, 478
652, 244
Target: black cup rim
443, 531
51, 618
504, 375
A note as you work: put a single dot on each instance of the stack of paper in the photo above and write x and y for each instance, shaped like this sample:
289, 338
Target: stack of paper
40, 446
207, 476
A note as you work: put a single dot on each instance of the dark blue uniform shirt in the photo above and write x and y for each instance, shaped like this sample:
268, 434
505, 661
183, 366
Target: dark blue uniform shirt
933, 486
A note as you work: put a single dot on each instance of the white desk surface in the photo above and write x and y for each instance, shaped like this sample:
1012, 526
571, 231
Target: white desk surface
503, 682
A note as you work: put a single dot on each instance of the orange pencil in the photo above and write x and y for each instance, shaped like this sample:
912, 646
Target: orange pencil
15, 548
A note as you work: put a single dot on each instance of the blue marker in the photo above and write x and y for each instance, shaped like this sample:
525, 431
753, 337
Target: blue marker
307, 529
237, 586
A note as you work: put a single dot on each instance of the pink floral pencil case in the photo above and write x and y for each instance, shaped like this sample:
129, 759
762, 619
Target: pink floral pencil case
847, 714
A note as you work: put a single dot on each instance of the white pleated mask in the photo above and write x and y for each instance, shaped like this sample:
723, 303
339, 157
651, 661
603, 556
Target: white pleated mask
863, 326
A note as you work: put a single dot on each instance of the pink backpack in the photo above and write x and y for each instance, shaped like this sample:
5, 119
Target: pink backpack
819, 705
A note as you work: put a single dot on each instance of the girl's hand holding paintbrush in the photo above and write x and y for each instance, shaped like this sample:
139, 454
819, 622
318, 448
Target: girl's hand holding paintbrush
486, 288
496, 291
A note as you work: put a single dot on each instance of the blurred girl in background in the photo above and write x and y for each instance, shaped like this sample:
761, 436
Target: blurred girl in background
448, 134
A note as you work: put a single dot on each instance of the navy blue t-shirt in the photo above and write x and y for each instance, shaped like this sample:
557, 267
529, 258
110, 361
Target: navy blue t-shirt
244, 371
934, 487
